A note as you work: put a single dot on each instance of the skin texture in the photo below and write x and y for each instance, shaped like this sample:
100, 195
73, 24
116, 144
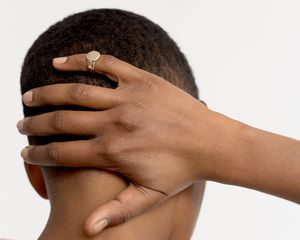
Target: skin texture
70, 206
140, 140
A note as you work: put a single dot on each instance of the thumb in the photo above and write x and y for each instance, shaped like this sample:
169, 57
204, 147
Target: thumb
131, 202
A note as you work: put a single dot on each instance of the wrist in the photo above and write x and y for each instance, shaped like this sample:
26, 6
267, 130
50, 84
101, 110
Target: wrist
240, 162
225, 158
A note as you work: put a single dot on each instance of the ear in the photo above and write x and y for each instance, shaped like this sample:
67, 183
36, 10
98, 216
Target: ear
204, 103
36, 179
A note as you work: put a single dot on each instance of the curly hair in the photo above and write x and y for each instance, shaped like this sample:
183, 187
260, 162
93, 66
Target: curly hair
127, 36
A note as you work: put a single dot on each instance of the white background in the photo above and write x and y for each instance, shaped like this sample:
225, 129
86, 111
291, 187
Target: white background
246, 58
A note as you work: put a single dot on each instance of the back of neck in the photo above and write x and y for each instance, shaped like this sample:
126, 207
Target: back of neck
73, 196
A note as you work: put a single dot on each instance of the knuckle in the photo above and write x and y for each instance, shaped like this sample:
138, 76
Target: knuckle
57, 120
115, 149
127, 125
78, 91
125, 213
110, 149
127, 119
53, 153
148, 83
109, 60
39, 95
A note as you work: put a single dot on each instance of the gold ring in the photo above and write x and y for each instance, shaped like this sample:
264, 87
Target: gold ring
91, 59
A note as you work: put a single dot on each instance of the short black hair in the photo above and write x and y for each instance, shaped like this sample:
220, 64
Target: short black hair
127, 36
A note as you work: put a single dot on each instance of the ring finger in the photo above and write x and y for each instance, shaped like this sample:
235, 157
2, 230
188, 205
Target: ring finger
86, 123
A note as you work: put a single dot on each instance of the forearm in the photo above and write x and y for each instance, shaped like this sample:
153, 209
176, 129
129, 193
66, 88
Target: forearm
262, 161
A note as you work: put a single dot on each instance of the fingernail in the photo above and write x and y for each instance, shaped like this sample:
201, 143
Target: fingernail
60, 60
100, 225
28, 97
24, 153
20, 126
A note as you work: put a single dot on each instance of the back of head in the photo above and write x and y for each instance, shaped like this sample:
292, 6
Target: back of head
127, 36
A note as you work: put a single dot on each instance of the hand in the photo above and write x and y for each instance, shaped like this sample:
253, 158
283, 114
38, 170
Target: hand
146, 129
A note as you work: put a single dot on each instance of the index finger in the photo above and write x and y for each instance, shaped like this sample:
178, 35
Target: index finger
116, 69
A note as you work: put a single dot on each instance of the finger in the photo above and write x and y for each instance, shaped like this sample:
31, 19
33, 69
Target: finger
118, 70
73, 94
131, 202
86, 123
81, 153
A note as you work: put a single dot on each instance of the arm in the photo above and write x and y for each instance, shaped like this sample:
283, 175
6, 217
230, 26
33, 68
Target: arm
262, 161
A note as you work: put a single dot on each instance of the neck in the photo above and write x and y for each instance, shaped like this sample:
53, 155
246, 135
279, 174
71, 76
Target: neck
73, 196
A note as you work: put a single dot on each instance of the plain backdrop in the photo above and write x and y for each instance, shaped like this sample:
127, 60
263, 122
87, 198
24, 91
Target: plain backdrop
246, 58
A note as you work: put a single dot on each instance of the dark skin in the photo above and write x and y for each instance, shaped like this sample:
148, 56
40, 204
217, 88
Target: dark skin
158, 136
